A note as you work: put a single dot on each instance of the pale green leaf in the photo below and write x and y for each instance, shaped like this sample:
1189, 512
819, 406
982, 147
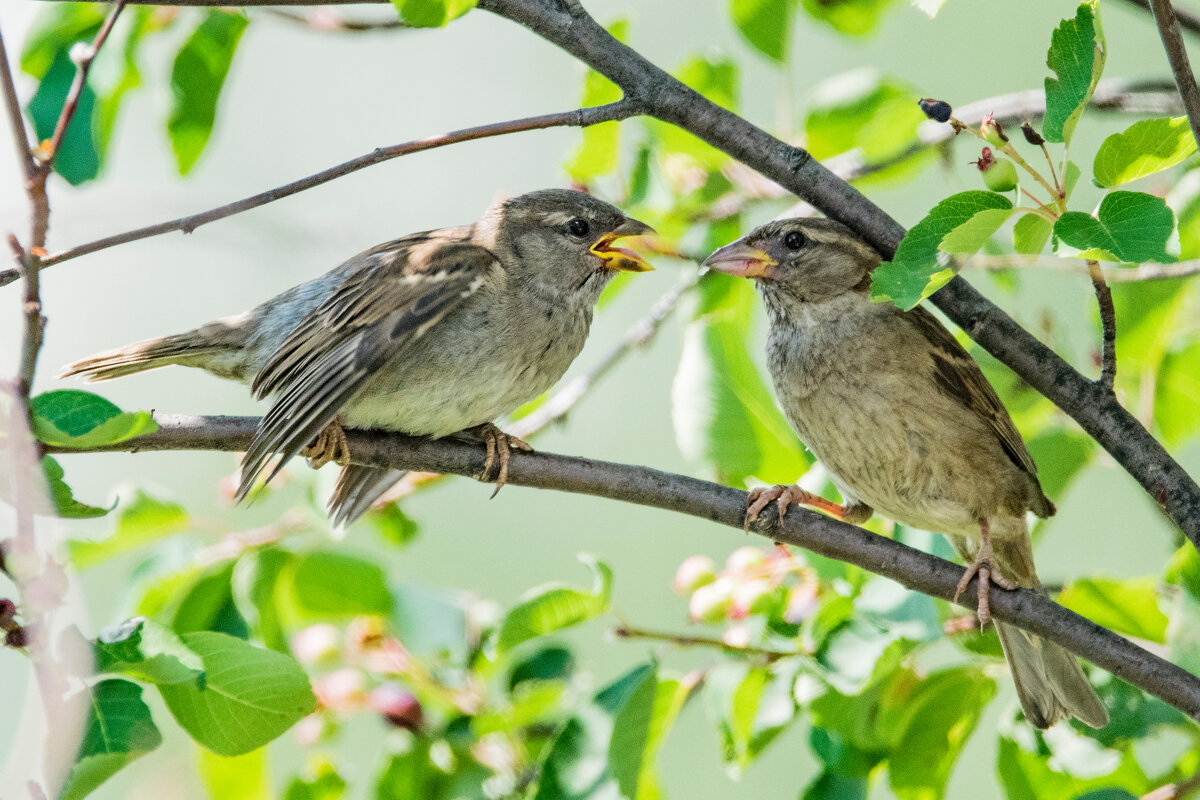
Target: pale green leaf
1077, 53
1031, 233
250, 695
1128, 606
74, 418
241, 777
197, 77
916, 271
140, 520
554, 607
969, 237
147, 651
432, 13
1129, 226
119, 730
765, 24
1144, 148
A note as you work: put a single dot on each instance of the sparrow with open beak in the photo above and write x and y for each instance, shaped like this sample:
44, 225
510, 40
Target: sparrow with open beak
907, 425
436, 333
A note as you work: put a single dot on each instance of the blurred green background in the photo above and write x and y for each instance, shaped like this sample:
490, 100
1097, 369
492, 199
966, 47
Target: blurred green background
297, 101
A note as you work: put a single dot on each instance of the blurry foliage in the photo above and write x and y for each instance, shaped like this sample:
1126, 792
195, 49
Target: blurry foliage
256, 632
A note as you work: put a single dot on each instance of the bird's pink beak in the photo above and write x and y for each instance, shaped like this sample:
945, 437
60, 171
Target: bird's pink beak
743, 261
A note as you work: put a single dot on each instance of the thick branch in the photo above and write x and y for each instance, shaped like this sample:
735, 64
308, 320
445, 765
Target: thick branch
1172, 39
580, 117
568, 26
649, 487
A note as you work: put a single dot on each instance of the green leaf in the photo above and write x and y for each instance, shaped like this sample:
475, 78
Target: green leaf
393, 526
1144, 148
531, 702
409, 775
255, 585
1062, 764
65, 504
250, 697
1061, 455
834, 786
942, 712
716, 79
1183, 632
750, 707
554, 607
548, 663
915, 272
599, 152
968, 238
74, 418
78, 157
196, 80
333, 584
601, 752
1175, 394
54, 30
203, 601
765, 24
1132, 227
119, 730
147, 651
864, 109
241, 777
1128, 606
849, 17
140, 520
1076, 55
1031, 233
432, 13
723, 413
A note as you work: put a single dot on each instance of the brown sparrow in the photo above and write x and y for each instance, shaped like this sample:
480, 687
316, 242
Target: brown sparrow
431, 334
907, 425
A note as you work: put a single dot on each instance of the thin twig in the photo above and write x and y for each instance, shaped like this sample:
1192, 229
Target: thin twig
581, 117
1143, 272
16, 121
1108, 323
721, 504
629, 632
1172, 39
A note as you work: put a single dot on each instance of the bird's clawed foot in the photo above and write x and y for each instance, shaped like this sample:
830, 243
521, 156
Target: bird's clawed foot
785, 496
499, 450
329, 446
984, 568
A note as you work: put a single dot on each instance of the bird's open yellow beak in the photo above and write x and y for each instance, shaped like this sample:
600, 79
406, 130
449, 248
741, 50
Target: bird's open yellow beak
743, 261
618, 258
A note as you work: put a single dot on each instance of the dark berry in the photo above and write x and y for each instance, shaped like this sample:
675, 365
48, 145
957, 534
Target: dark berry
938, 110
1032, 136
17, 637
397, 706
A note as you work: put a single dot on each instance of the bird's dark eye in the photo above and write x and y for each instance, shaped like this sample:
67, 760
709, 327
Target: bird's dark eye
578, 227
794, 240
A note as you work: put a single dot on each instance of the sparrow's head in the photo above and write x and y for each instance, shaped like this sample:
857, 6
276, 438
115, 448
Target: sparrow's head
564, 238
804, 259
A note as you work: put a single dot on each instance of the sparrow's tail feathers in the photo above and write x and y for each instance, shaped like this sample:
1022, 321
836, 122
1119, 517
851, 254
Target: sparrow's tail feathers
200, 347
356, 491
1050, 683
137, 357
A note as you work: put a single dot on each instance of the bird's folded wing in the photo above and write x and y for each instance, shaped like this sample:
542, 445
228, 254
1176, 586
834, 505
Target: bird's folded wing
959, 377
400, 292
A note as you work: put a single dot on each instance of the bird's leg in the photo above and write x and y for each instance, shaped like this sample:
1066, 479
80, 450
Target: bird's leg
499, 450
784, 496
983, 567
330, 445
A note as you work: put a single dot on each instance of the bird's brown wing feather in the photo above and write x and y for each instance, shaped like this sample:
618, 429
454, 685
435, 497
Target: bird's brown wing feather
398, 293
960, 378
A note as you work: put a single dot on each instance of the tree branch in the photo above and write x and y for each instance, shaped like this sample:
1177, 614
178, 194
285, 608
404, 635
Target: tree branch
580, 117
649, 487
1142, 272
1172, 39
569, 27
1108, 325
16, 122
